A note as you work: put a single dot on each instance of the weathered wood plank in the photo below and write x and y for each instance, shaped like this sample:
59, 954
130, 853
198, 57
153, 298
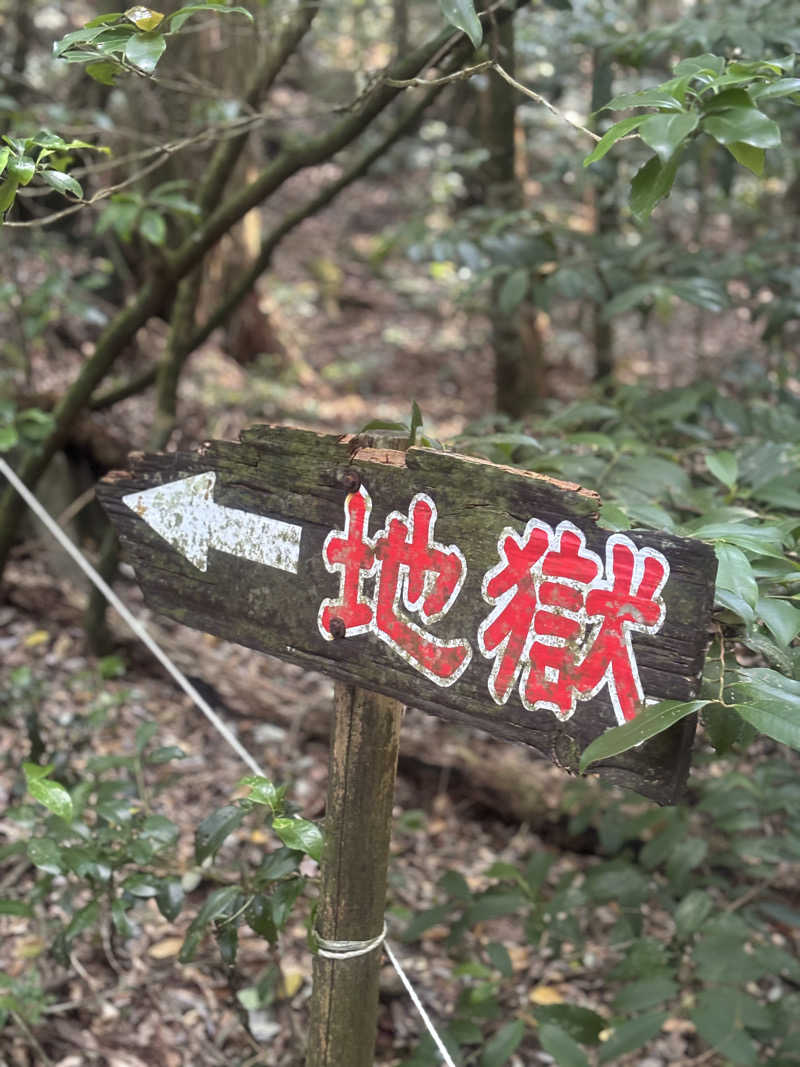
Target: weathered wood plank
307, 479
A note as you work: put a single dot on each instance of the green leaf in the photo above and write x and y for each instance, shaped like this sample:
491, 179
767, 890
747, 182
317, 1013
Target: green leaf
501, 961
781, 618
581, 1024
104, 71
461, 14
119, 918
770, 702
645, 993
611, 136
220, 903
45, 854
631, 1035
703, 292
565, 1051
775, 89
4, 154
262, 791
707, 64
259, 917
213, 830
144, 50
724, 466
726, 99
53, 795
153, 227
513, 290
664, 133
82, 920
20, 908
502, 1046
178, 18
651, 184
760, 540
656, 97
692, 912
649, 722
8, 192
718, 1018
170, 897
747, 125
21, 168
300, 834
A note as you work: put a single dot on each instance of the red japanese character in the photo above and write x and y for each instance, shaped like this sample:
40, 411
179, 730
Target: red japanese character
538, 589
411, 571
549, 591
627, 602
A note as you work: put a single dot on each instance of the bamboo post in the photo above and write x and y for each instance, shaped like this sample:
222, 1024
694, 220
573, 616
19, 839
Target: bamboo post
358, 823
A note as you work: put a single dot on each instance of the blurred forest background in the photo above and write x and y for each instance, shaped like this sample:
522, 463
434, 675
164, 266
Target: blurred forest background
306, 217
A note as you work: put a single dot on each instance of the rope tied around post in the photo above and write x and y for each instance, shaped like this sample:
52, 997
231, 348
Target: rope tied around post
348, 950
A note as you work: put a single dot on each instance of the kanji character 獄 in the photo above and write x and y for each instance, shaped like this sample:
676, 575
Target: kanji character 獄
561, 629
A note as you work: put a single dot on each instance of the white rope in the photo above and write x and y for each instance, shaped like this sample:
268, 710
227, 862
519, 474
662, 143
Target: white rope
329, 949
418, 1005
348, 950
131, 620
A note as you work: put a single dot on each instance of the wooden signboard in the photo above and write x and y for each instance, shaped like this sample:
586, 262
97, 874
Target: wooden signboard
480, 593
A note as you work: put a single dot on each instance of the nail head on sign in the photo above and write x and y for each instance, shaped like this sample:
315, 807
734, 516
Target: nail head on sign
351, 481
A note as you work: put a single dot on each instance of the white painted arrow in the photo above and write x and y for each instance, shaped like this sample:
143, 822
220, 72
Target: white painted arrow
185, 515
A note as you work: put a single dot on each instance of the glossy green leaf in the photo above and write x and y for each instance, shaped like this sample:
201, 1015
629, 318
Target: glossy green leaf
726, 99
21, 169
143, 51
706, 64
774, 90
215, 828
770, 702
657, 97
300, 834
760, 540
119, 917
611, 136
664, 133
781, 618
702, 292
462, 15
53, 795
500, 959
651, 184
500, 1048
259, 917
558, 1044
649, 722
4, 154
262, 791
8, 193
743, 125
170, 897
724, 466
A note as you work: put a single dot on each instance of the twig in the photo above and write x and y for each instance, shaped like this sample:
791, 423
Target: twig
31, 1037
77, 505
467, 72
541, 100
